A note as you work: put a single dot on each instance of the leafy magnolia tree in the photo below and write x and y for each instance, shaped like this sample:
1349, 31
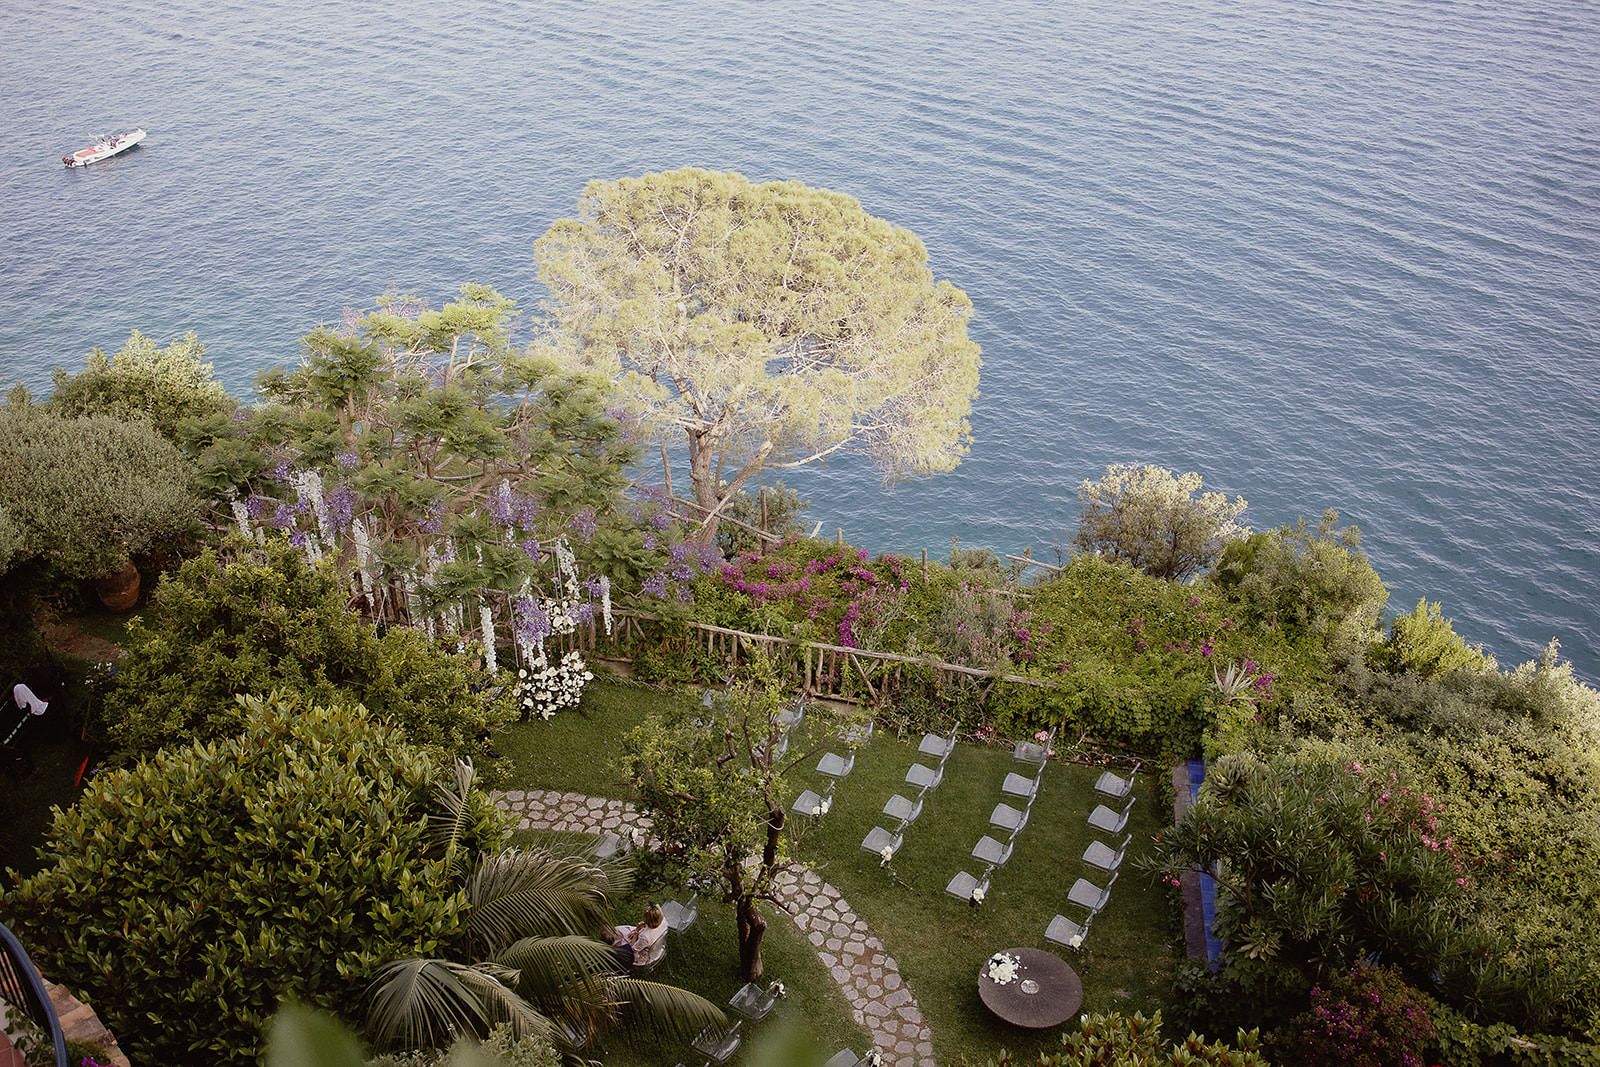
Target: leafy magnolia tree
144, 382
716, 794
317, 858
1315, 582
773, 324
82, 495
254, 619
1318, 865
1150, 517
188, 895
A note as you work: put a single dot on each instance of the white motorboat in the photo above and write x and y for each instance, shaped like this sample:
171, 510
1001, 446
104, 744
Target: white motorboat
104, 148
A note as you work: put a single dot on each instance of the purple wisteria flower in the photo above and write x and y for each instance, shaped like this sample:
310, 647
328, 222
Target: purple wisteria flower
433, 519
710, 556
512, 509
583, 524
530, 620
347, 459
530, 548
582, 613
655, 585
282, 517
298, 538
651, 540
258, 505
661, 521
593, 586
341, 507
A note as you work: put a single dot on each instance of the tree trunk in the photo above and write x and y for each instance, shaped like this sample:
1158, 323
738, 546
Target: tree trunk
752, 928
703, 479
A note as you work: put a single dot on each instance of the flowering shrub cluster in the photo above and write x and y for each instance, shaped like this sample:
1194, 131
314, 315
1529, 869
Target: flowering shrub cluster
1368, 1017
547, 688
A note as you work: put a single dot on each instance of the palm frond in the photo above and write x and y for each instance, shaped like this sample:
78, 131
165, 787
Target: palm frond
550, 968
454, 815
495, 986
656, 1011
516, 894
422, 1003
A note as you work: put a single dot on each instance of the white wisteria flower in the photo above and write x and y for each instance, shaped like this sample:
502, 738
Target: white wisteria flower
552, 687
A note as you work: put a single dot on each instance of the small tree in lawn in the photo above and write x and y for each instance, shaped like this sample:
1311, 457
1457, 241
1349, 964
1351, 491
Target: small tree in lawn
716, 797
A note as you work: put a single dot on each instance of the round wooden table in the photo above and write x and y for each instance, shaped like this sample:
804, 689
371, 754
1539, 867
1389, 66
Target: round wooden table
1058, 997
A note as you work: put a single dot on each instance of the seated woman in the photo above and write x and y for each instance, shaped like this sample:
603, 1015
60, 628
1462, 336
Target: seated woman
642, 945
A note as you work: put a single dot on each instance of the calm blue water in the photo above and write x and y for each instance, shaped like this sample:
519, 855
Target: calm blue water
1325, 253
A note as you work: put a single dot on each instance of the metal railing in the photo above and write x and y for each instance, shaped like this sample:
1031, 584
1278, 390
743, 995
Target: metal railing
23, 990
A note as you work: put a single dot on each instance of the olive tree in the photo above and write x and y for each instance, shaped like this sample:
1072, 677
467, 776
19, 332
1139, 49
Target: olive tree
1150, 517
81, 495
773, 324
143, 381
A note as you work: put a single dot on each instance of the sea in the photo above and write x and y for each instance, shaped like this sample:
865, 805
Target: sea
1328, 254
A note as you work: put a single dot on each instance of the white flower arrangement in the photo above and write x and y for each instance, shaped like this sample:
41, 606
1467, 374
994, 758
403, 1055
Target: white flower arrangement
1003, 968
1076, 941
977, 894
823, 806
778, 990
874, 1059
552, 687
885, 854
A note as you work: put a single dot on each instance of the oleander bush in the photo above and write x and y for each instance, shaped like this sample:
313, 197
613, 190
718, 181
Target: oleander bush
189, 894
256, 618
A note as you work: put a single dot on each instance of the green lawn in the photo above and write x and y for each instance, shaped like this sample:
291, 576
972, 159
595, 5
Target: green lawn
939, 942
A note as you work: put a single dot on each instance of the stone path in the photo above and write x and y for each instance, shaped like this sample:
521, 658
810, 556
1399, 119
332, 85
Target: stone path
866, 973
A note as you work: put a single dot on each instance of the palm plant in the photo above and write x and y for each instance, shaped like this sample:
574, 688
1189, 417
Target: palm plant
525, 956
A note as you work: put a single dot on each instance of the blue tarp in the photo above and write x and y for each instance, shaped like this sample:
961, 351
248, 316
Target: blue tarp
1208, 885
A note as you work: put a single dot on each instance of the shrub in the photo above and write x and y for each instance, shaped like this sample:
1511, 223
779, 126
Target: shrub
1116, 1040
1149, 517
253, 619
141, 382
785, 518
1366, 1018
81, 495
1423, 641
1311, 581
190, 893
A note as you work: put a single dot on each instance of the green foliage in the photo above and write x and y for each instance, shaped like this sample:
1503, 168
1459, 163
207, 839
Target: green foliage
716, 795
1513, 758
1149, 517
142, 382
253, 619
785, 518
1117, 1040
302, 1037
789, 323
1423, 641
437, 464
1318, 865
82, 495
1366, 1018
1460, 1042
1309, 581
190, 893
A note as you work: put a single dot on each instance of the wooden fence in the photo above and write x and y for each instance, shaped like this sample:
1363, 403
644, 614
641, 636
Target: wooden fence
820, 670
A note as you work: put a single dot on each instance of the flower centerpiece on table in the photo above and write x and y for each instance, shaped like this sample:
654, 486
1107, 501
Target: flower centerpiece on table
1003, 968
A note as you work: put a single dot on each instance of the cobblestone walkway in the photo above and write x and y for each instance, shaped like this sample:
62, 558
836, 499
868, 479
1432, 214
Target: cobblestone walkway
866, 973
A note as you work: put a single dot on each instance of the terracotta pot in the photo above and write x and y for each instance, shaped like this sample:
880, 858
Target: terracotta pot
119, 591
